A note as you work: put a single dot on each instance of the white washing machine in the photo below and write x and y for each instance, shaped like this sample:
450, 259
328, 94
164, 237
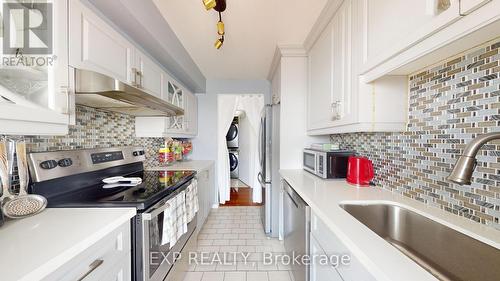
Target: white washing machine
234, 164
232, 136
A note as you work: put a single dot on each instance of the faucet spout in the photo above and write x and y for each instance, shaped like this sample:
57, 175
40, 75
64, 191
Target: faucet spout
466, 163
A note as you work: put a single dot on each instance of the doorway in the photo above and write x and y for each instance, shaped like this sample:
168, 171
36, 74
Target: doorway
237, 141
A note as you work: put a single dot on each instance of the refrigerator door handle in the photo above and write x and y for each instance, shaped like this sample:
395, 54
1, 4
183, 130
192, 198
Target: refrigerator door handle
261, 179
261, 145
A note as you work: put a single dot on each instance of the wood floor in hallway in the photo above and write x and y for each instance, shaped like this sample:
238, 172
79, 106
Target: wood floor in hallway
237, 231
240, 196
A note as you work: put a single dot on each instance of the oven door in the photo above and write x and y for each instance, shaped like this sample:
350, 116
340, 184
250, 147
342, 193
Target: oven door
309, 161
157, 259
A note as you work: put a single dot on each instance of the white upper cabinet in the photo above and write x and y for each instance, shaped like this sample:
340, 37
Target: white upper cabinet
330, 73
390, 26
148, 75
319, 102
338, 101
37, 99
183, 126
361, 52
403, 36
95, 45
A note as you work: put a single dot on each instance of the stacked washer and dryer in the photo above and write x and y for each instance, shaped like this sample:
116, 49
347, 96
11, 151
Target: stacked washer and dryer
232, 137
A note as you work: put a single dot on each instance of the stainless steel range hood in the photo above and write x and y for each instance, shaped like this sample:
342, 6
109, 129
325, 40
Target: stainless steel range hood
97, 90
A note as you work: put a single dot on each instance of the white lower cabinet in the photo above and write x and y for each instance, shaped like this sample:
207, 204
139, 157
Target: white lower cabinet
108, 259
324, 240
206, 192
319, 271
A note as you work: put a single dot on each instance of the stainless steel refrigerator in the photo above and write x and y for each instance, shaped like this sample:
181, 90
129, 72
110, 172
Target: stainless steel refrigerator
269, 217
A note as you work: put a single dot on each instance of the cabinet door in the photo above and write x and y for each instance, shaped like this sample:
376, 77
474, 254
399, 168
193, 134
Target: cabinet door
331, 244
175, 95
41, 89
330, 73
150, 76
319, 107
95, 45
203, 197
321, 272
385, 34
342, 72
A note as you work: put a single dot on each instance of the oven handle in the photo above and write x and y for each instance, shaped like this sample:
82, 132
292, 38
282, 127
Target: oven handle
155, 212
150, 215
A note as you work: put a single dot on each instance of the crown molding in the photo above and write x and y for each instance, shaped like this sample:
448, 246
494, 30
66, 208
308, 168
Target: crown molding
322, 22
285, 51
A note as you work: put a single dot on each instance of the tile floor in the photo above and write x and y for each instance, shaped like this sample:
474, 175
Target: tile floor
236, 231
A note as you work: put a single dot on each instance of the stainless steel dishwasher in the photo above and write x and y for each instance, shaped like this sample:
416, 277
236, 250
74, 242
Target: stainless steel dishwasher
296, 226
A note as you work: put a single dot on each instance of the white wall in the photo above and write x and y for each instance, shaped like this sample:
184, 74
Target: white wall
205, 144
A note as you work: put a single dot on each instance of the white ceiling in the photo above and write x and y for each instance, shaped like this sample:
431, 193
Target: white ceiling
253, 30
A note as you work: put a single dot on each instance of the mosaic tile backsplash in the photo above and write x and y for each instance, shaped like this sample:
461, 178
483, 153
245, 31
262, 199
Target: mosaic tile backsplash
97, 129
449, 105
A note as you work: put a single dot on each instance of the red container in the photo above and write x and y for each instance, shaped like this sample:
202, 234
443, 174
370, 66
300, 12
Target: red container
359, 171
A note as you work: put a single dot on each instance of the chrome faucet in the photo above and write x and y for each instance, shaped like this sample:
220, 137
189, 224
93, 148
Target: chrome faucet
466, 163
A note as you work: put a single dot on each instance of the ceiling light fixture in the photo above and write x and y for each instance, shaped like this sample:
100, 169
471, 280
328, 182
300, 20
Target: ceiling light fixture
209, 4
219, 6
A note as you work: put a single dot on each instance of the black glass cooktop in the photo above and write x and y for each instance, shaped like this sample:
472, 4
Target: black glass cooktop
156, 185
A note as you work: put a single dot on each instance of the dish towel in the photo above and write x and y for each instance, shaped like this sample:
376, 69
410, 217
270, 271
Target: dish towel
192, 205
174, 219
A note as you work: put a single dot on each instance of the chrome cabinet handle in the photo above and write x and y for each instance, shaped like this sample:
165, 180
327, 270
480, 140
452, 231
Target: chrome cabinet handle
139, 73
93, 266
134, 73
336, 110
65, 91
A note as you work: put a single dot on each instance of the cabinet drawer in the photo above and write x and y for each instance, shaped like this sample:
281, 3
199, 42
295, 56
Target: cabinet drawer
120, 271
99, 259
332, 245
321, 272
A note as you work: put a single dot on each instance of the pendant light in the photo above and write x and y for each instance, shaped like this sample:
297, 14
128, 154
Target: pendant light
220, 30
209, 4
219, 6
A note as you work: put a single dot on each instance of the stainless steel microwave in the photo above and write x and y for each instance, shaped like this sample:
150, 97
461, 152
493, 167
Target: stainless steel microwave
326, 164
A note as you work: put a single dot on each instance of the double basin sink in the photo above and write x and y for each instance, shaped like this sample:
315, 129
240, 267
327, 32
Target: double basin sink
441, 250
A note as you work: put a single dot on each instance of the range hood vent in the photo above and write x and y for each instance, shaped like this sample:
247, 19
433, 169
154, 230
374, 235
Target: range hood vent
97, 90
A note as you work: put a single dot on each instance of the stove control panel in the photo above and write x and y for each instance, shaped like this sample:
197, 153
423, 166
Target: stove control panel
104, 157
56, 164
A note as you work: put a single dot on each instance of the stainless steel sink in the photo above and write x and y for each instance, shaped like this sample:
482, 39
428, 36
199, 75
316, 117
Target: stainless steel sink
444, 252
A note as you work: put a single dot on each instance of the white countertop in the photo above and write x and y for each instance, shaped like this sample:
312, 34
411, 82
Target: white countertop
34, 247
190, 165
383, 260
